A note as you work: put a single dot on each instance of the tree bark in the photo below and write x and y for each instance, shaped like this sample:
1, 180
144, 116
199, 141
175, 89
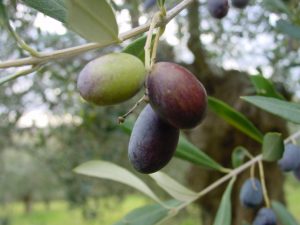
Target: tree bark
218, 138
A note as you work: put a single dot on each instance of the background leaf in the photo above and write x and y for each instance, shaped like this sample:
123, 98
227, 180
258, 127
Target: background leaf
108, 170
136, 47
273, 147
171, 186
285, 217
238, 156
286, 110
264, 87
223, 216
276, 5
286, 27
189, 152
93, 20
53, 8
234, 118
149, 214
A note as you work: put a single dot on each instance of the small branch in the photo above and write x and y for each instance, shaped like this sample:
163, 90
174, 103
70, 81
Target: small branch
121, 119
223, 179
19, 74
73, 51
147, 47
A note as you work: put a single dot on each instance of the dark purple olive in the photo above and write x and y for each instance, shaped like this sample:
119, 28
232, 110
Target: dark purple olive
265, 216
176, 95
251, 194
152, 142
218, 8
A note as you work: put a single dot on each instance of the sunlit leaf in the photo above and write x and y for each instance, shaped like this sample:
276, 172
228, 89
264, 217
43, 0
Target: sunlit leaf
286, 110
150, 214
273, 147
223, 216
108, 170
234, 118
53, 8
93, 20
175, 189
264, 87
284, 216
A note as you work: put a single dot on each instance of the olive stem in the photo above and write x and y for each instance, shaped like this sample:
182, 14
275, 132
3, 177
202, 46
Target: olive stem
147, 47
121, 119
73, 51
155, 45
263, 184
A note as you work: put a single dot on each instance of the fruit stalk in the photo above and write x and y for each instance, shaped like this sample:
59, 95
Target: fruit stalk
263, 184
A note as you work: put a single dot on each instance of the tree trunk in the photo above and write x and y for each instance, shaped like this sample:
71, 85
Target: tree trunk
218, 138
27, 201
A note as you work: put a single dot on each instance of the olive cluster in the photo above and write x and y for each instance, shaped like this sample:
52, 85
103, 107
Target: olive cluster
251, 196
177, 101
219, 8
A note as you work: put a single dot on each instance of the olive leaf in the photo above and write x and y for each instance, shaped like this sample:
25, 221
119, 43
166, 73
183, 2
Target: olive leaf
92, 19
284, 109
273, 147
223, 216
175, 189
108, 170
234, 118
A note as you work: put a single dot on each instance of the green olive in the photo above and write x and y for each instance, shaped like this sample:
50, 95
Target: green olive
111, 79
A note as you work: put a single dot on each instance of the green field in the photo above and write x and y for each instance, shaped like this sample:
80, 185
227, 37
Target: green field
111, 209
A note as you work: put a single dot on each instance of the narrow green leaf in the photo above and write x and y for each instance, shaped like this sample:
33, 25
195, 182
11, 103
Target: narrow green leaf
93, 20
234, 118
286, 27
223, 216
4, 21
149, 214
53, 8
160, 3
272, 147
285, 217
108, 170
136, 47
264, 87
286, 110
189, 152
276, 5
238, 156
171, 186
